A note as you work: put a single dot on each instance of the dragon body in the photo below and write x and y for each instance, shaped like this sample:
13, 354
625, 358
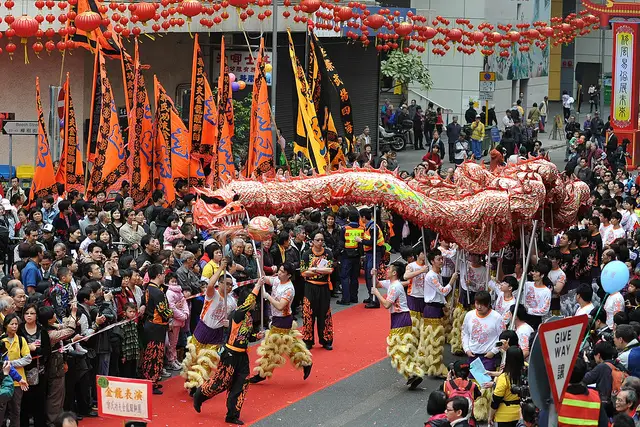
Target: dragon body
462, 211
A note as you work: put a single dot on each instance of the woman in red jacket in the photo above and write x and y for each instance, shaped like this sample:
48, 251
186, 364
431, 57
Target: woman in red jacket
433, 159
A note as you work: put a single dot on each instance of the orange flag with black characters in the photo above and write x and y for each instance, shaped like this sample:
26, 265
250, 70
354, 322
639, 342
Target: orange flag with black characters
140, 138
226, 127
95, 39
44, 180
203, 115
162, 172
260, 153
70, 172
110, 163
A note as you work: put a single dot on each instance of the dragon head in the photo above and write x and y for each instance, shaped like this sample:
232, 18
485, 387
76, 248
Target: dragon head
219, 210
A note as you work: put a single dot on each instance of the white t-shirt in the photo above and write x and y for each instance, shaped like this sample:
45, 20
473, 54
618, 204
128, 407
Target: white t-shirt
449, 264
501, 305
524, 332
416, 285
614, 304
480, 334
604, 232
279, 292
584, 310
213, 314
475, 278
557, 277
537, 301
396, 295
433, 289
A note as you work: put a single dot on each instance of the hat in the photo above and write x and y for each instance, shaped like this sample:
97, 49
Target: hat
461, 368
48, 228
463, 134
477, 116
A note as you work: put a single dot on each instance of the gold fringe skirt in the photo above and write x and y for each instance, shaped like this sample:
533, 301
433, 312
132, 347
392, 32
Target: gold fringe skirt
278, 342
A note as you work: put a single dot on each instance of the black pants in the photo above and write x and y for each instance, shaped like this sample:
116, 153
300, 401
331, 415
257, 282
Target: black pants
128, 369
335, 279
317, 307
349, 272
77, 396
298, 285
33, 404
232, 376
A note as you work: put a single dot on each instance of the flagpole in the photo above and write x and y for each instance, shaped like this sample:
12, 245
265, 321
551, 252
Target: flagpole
274, 68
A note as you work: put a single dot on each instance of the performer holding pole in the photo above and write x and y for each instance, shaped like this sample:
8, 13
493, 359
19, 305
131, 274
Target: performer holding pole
282, 338
401, 343
525, 267
372, 241
415, 273
261, 274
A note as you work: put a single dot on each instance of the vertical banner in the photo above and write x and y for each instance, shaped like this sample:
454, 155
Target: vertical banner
203, 114
140, 141
226, 127
315, 149
44, 180
110, 165
70, 172
624, 97
162, 174
181, 162
260, 153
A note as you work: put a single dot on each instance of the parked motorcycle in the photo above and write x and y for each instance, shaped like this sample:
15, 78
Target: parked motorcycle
396, 139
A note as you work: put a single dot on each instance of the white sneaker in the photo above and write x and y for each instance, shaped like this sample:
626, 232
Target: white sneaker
77, 347
165, 373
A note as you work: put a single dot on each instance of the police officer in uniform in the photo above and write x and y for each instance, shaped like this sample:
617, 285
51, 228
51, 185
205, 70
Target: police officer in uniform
350, 260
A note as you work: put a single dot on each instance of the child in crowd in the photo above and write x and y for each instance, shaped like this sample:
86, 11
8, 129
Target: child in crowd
172, 232
177, 303
130, 347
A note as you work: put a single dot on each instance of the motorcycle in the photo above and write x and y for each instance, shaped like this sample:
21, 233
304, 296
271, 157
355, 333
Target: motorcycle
396, 139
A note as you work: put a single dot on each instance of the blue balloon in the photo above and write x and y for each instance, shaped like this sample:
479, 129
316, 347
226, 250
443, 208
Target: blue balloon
267, 77
235, 86
614, 277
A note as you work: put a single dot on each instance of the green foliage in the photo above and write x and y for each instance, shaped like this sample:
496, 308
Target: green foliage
406, 68
242, 121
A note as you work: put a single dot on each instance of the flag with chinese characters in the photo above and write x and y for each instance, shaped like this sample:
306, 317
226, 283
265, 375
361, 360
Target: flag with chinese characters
346, 115
319, 83
226, 128
140, 136
44, 180
95, 39
182, 164
70, 172
203, 112
260, 153
162, 174
110, 163
308, 138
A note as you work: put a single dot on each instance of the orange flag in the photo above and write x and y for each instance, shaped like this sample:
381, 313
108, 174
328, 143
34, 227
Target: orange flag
95, 39
183, 165
260, 155
110, 164
140, 143
70, 172
44, 181
226, 128
202, 119
163, 178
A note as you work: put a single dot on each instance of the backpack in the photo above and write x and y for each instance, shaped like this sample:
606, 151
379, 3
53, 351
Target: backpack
466, 392
618, 376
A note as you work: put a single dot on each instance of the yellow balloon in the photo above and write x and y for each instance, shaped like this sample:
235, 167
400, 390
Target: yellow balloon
268, 68
242, 84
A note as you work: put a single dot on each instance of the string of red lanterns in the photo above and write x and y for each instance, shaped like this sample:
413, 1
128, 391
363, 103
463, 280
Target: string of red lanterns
382, 28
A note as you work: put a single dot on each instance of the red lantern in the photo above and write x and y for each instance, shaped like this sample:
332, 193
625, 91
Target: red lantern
25, 26
477, 36
344, 13
566, 28
9, 19
145, 11
514, 36
191, 8
37, 48
11, 47
374, 21
430, 33
404, 29
50, 46
286, 14
310, 6
238, 3
455, 34
88, 21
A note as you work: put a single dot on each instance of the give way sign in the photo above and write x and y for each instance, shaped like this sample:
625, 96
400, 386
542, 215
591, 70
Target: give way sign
560, 346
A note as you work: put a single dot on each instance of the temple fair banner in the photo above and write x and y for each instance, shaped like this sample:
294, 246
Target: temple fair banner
623, 105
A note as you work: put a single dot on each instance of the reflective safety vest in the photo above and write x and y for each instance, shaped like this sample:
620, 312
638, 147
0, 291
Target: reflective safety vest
579, 410
350, 234
367, 236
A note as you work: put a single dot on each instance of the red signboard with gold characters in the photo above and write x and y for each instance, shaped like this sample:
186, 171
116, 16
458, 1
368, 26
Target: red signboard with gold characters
124, 398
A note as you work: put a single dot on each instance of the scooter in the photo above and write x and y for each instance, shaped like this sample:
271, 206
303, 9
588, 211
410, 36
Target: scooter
396, 139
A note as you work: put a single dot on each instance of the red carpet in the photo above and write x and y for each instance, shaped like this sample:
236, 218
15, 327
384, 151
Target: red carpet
359, 342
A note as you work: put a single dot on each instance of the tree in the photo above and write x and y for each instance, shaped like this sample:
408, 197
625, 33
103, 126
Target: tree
242, 120
406, 68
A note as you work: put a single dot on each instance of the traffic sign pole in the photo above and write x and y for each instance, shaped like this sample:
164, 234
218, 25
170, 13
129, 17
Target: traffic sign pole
10, 156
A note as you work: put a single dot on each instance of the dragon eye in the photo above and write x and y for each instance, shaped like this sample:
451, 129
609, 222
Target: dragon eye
214, 200
236, 197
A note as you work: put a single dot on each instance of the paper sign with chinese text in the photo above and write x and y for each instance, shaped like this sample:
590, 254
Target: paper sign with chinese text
623, 86
125, 398
242, 64
560, 346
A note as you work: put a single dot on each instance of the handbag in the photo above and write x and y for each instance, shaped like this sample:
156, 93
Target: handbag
33, 374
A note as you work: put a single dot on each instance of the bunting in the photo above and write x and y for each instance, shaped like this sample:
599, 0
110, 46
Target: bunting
110, 165
226, 129
203, 115
71, 171
44, 182
163, 177
346, 115
319, 83
95, 39
308, 138
140, 136
183, 166
260, 153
